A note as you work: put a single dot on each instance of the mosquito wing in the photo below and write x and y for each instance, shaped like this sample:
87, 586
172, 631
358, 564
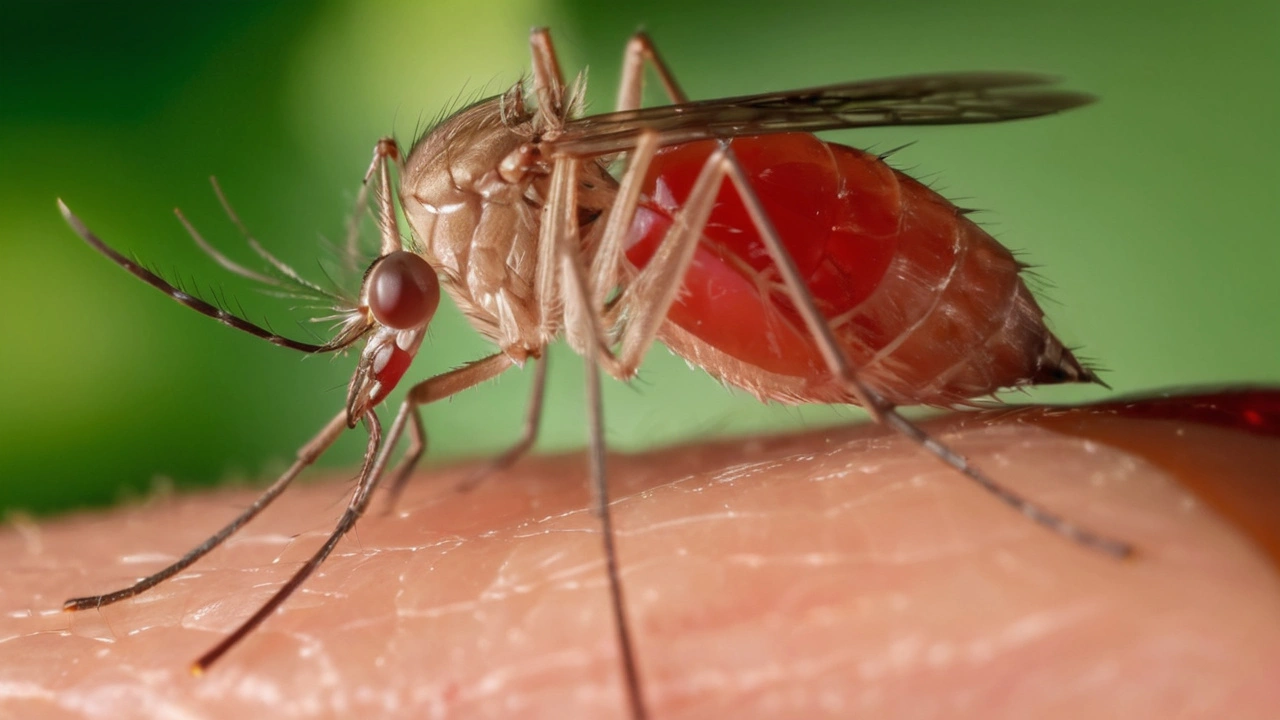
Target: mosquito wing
949, 99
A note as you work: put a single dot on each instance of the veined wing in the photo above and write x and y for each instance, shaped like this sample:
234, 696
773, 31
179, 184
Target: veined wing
945, 99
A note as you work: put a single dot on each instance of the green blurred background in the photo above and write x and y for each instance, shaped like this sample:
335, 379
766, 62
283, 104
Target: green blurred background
1153, 214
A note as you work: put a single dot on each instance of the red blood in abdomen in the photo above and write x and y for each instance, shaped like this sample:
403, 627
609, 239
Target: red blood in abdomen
927, 306
836, 212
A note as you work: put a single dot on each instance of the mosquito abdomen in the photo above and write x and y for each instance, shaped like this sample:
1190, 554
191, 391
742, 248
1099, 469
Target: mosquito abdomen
951, 318
930, 307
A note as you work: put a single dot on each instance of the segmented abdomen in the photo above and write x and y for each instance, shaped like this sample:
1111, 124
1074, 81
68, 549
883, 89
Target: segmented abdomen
928, 306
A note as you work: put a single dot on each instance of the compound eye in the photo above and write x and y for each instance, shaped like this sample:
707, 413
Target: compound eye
403, 290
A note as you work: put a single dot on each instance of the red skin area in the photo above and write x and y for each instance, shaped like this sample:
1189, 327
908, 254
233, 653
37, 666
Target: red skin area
928, 306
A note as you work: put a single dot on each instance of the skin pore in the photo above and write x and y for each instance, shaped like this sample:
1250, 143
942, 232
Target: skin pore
836, 573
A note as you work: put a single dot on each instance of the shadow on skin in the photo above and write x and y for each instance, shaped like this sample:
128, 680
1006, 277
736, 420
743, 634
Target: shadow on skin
837, 573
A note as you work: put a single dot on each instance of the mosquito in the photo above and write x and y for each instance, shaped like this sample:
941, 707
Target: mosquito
797, 269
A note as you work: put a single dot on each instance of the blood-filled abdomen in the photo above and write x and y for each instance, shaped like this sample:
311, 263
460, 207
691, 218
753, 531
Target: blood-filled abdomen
928, 306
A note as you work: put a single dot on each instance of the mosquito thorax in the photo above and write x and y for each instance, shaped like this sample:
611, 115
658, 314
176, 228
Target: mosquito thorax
476, 225
452, 171
402, 291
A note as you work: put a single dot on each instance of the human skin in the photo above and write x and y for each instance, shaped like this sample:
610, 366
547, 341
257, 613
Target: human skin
838, 573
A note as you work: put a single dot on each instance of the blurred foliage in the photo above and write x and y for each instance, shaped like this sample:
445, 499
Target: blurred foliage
1154, 213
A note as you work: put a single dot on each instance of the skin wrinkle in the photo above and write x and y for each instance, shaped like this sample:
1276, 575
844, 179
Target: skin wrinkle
950, 602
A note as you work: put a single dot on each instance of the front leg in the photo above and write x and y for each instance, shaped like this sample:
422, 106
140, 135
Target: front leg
548, 80
430, 390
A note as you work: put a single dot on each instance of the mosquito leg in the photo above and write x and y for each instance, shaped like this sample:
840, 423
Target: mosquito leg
549, 88
306, 455
548, 80
651, 293
532, 423
582, 320
547, 276
604, 267
370, 473
880, 408
430, 390
400, 476
600, 505
388, 226
558, 241
385, 149
640, 48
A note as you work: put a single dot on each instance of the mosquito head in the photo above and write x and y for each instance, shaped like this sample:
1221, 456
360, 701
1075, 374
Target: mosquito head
400, 296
